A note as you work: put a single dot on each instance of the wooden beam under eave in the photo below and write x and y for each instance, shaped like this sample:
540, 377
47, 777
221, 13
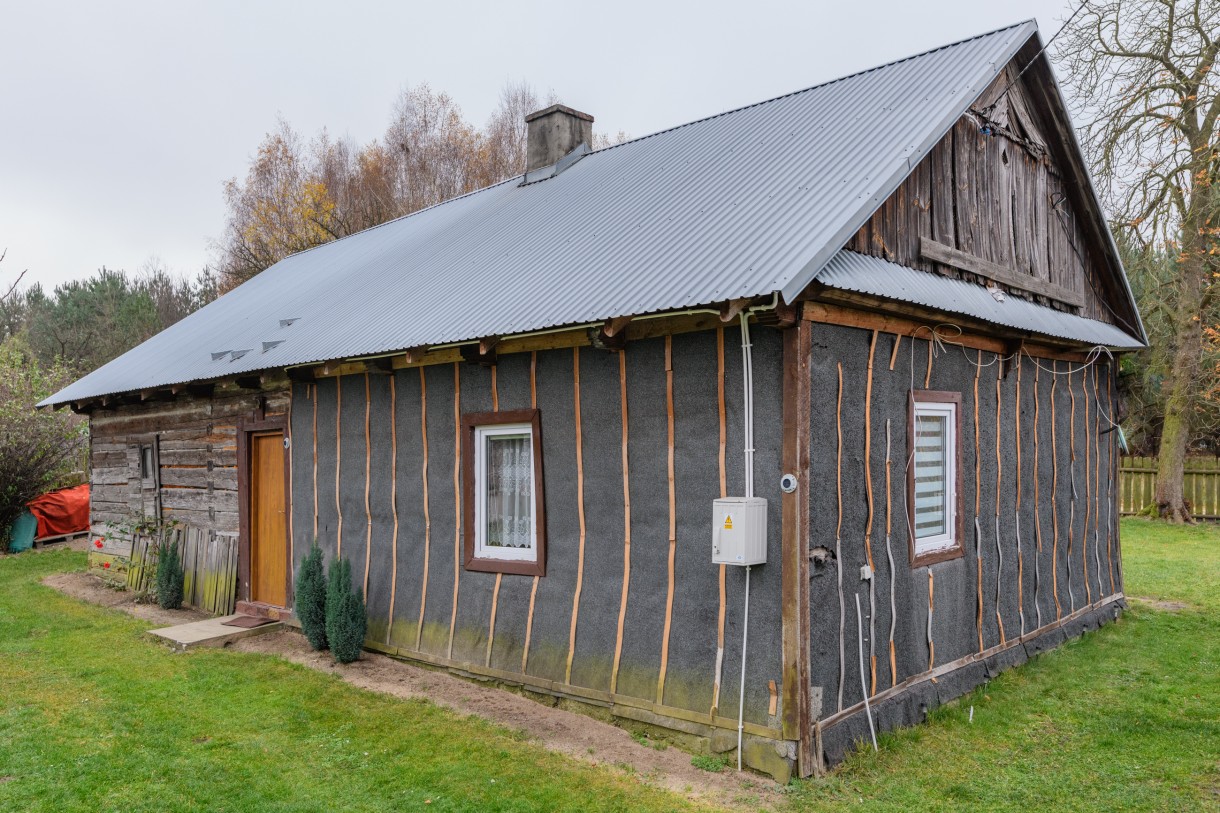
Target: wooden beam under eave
483, 352
615, 326
731, 309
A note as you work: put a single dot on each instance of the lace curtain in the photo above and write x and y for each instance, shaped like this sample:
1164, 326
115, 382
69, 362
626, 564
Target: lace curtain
509, 491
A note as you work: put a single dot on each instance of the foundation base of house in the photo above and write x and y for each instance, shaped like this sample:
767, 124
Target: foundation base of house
908, 703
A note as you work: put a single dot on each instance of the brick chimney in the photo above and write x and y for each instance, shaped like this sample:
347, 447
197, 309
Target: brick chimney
553, 133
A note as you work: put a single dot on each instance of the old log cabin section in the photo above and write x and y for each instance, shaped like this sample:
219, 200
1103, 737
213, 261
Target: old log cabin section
886, 308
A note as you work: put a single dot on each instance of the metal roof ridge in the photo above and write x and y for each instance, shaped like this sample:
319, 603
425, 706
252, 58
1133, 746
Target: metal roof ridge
819, 85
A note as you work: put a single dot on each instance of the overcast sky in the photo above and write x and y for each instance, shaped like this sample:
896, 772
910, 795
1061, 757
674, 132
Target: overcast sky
119, 121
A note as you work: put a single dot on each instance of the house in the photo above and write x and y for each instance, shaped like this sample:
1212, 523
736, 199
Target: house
882, 313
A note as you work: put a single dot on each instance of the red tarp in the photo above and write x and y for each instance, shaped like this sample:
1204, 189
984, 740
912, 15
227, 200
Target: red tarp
62, 512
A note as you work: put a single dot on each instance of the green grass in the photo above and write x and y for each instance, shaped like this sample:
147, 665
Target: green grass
1127, 718
94, 717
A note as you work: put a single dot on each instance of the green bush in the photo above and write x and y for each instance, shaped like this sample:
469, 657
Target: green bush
346, 623
310, 601
169, 576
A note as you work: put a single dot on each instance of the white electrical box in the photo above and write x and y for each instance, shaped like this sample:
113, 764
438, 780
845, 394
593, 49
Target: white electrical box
739, 531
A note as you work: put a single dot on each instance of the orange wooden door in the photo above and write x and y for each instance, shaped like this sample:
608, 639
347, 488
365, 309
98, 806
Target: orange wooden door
268, 531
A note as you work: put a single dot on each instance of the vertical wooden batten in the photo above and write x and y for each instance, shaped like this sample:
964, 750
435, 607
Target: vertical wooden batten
1088, 488
724, 492
393, 503
868, 496
1055, 494
457, 500
338, 464
529, 619
839, 534
368, 480
673, 531
495, 592
580, 515
622, 606
999, 478
1016, 419
423, 432
978, 496
313, 390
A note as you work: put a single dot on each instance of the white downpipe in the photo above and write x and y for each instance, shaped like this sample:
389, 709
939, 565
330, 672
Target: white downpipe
747, 400
747, 379
741, 697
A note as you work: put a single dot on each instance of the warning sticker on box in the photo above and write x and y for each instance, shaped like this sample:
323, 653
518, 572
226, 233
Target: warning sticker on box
728, 522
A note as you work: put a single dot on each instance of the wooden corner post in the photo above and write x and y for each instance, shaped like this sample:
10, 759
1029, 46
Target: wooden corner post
795, 542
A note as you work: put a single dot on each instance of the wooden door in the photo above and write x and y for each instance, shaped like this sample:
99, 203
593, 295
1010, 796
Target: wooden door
268, 530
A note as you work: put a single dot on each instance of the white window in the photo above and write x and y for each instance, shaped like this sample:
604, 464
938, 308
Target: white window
505, 511
934, 475
504, 519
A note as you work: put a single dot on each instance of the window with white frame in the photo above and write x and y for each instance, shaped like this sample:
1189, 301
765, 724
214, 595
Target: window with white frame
933, 476
503, 493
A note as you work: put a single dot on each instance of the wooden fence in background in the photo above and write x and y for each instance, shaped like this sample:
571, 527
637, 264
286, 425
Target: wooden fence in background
209, 564
1201, 488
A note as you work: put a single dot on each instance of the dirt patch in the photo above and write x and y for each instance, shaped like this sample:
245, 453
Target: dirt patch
1158, 604
559, 730
91, 589
567, 732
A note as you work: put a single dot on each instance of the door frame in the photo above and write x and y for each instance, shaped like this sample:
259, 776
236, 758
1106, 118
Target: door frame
246, 427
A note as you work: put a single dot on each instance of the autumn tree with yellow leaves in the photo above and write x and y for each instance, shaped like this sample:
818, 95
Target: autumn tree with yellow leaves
297, 195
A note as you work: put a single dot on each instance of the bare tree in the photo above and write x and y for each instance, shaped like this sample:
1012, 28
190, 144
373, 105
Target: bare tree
1148, 97
16, 282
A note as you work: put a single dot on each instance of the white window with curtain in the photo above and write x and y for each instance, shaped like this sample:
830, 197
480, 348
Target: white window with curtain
505, 521
934, 477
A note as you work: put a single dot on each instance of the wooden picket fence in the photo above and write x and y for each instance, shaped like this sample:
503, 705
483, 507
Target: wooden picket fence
1201, 488
209, 564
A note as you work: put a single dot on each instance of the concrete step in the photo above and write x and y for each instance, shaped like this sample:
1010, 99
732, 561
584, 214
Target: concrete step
209, 632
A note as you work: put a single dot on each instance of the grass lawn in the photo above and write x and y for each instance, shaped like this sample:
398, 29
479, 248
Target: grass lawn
1127, 718
92, 717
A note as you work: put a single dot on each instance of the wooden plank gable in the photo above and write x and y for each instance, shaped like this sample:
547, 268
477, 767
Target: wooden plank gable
992, 203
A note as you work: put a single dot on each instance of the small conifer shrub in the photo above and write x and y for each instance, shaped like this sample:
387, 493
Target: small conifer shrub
169, 576
310, 599
346, 622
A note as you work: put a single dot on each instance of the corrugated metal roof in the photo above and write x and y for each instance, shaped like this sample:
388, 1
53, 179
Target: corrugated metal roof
742, 204
863, 274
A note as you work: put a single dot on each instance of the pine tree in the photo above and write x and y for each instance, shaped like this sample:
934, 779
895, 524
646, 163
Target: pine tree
169, 576
346, 622
310, 601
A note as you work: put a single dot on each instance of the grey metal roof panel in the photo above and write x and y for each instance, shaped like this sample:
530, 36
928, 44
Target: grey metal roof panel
737, 205
863, 274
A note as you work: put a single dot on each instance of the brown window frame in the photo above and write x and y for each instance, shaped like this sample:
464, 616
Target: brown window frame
958, 550
470, 422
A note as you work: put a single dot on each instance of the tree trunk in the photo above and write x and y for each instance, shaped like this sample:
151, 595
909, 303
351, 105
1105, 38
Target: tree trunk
1181, 382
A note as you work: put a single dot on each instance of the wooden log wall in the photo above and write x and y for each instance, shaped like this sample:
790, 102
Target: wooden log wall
1039, 527
1000, 197
631, 613
196, 439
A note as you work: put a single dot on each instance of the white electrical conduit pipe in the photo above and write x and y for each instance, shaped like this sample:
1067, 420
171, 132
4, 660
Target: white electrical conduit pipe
747, 378
868, 711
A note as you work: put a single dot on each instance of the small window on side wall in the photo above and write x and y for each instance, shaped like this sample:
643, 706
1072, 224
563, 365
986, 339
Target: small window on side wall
933, 473
505, 524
